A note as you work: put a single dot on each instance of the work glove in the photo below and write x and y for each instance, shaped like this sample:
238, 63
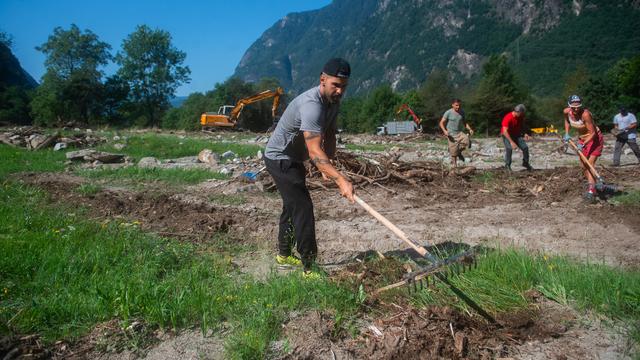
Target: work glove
566, 138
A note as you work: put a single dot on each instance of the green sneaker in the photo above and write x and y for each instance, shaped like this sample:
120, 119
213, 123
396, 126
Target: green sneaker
287, 261
311, 275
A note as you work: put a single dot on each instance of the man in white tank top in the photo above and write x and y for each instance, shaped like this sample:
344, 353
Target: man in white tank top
625, 124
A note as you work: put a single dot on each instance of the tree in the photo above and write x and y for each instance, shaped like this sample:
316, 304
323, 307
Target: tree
6, 39
437, 94
257, 116
14, 105
379, 107
497, 93
153, 68
113, 99
625, 78
351, 114
187, 116
72, 84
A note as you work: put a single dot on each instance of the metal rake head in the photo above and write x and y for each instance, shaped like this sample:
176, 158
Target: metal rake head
425, 277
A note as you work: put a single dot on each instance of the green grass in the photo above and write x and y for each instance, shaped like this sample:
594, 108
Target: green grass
60, 275
88, 189
629, 198
163, 146
502, 277
151, 175
485, 178
17, 160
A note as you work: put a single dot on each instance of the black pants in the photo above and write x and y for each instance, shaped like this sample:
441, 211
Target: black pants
297, 220
508, 151
617, 151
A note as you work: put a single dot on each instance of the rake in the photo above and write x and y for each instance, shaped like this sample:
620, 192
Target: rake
438, 268
600, 184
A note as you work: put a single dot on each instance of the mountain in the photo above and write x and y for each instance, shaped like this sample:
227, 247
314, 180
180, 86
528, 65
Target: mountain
177, 101
400, 42
11, 73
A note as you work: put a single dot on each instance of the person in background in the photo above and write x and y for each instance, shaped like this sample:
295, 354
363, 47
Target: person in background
590, 139
452, 125
625, 125
512, 136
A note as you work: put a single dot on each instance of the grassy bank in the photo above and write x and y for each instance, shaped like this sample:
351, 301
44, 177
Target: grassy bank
164, 146
62, 275
504, 276
141, 176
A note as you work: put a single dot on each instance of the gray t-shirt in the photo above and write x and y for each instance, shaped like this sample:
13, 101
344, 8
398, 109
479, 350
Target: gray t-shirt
307, 112
624, 122
455, 121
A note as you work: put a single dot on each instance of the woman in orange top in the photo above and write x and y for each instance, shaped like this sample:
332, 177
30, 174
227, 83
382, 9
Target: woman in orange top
590, 140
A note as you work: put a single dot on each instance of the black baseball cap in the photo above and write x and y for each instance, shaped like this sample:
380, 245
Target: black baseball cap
337, 67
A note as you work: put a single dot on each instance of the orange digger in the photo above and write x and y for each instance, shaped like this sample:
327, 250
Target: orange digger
227, 115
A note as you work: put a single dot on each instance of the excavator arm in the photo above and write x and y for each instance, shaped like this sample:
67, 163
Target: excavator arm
237, 110
416, 119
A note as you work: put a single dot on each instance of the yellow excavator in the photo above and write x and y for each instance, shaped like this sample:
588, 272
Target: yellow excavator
227, 115
545, 130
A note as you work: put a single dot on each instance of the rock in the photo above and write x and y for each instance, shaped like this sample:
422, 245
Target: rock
208, 157
119, 146
148, 162
254, 187
461, 342
59, 146
89, 131
226, 171
107, 158
37, 141
228, 154
185, 160
79, 155
116, 138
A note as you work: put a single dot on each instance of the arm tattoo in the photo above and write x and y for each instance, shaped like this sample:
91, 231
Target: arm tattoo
310, 136
316, 161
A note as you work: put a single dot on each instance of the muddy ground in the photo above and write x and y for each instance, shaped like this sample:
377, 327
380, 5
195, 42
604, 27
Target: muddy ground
540, 210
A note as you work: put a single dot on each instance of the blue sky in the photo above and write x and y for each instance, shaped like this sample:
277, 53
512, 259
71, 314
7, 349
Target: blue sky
214, 34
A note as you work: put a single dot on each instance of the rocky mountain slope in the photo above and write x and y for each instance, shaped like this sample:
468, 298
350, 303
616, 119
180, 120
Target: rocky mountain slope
11, 73
401, 41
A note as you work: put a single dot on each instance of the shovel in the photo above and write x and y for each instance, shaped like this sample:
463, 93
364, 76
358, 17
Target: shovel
434, 269
600, 185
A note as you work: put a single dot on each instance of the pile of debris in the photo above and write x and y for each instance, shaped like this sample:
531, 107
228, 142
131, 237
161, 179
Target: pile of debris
387, 168
33, 138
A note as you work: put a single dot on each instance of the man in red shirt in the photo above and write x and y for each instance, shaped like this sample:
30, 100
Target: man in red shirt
512, 137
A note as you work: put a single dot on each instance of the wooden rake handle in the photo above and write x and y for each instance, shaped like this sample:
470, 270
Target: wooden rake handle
399, 233
584, 159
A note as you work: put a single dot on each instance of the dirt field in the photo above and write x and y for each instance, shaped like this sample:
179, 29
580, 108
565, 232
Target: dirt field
540, 211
